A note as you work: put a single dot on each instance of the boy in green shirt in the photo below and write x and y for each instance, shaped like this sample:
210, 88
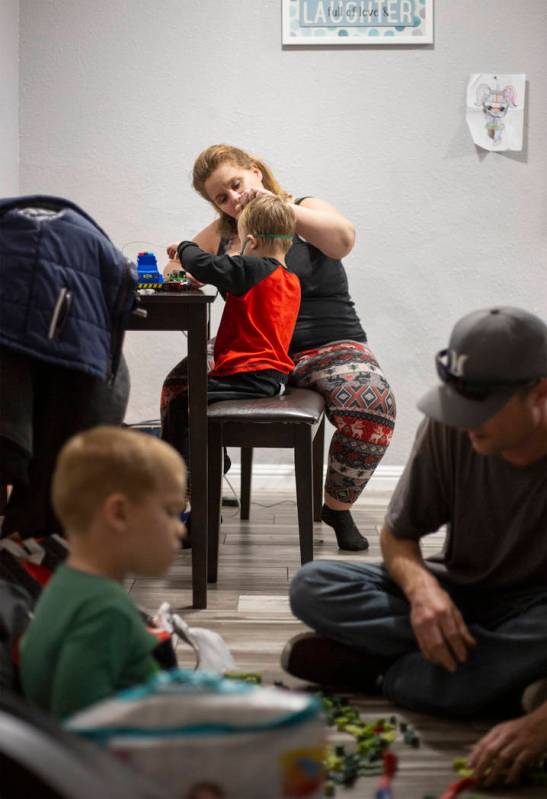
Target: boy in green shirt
119, 495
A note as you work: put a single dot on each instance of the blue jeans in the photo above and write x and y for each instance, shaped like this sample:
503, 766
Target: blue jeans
362, 607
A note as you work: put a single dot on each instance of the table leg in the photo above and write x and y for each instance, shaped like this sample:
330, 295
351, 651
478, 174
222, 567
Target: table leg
197, 406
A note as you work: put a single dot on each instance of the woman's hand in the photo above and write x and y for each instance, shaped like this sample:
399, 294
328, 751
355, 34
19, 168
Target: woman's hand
509, 747
250, 194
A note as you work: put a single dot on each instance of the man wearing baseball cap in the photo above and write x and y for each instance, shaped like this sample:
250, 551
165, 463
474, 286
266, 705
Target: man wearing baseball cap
463, 632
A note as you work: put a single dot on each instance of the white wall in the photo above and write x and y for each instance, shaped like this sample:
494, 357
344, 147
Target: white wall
119, 96
9, 98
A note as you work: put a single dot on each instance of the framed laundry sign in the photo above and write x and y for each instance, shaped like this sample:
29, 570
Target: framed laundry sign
361, 22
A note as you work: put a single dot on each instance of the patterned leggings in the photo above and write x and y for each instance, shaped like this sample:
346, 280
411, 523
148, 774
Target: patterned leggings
360, 404
176, 382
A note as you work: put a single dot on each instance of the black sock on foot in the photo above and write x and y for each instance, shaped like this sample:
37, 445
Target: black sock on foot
347, 534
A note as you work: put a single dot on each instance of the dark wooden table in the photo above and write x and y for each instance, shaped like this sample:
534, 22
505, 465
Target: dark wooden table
188, 310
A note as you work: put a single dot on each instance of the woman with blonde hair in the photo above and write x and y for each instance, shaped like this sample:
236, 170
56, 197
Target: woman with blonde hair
329, 346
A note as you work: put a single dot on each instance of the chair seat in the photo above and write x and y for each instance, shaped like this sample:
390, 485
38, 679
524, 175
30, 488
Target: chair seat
296, 405
295, 420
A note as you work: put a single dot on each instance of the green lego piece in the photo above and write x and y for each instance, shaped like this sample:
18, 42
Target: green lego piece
244, 676
411, 739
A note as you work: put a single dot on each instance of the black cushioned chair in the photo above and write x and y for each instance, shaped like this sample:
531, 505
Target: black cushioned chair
294, 420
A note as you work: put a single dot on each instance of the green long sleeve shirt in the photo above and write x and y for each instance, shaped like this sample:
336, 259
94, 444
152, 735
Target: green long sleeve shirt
86, 642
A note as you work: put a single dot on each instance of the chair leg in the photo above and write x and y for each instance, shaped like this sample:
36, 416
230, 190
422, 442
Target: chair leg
318, 447
303, 461
246, 475
215, 456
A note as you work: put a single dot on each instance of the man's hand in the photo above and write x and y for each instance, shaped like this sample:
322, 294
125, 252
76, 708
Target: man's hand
509, 747
442, 634
438, 625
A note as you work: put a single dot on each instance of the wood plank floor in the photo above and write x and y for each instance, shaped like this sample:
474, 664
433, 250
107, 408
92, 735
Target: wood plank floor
249, 608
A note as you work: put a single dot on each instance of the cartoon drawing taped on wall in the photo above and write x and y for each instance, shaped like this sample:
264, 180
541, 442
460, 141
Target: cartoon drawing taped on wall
494, 113
495, 103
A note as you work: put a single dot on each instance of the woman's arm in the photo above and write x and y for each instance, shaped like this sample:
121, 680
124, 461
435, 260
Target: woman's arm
319, 223
207, 239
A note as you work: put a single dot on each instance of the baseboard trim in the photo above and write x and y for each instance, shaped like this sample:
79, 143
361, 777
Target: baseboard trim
273, 477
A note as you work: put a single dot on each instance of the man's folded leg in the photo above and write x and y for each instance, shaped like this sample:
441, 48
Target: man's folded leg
361, 625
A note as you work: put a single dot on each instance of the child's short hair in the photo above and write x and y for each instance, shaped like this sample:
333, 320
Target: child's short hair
107, 460
270, 220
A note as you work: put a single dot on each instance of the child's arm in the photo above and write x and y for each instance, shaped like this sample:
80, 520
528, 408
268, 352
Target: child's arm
92, 662
208, 239
231, 273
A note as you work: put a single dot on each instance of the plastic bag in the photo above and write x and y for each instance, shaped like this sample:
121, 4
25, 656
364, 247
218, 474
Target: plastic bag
211, 652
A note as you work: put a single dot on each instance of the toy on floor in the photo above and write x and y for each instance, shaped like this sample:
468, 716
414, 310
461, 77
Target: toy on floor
372, 741
244, 676
384, 786
457, 787
371, 756
534, 774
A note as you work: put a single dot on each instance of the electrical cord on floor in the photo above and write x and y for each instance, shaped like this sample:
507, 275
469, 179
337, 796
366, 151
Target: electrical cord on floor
258, 504
231, 503
227, 502
274, 504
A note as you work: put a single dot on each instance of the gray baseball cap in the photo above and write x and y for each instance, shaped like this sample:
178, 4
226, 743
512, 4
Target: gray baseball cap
490, 354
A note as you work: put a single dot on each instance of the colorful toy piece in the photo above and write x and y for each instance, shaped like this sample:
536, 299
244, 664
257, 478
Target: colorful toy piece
457, 787
534, 774
390, 767
177, 281
244, 676
147, 267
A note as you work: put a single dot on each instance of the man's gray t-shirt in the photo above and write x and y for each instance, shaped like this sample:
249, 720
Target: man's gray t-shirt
495, 512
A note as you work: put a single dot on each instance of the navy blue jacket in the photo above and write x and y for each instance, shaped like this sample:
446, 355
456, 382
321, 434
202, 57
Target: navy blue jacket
65, 290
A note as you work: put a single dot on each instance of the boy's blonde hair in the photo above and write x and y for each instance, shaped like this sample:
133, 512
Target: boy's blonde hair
218, 154
108, 460
270, 220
